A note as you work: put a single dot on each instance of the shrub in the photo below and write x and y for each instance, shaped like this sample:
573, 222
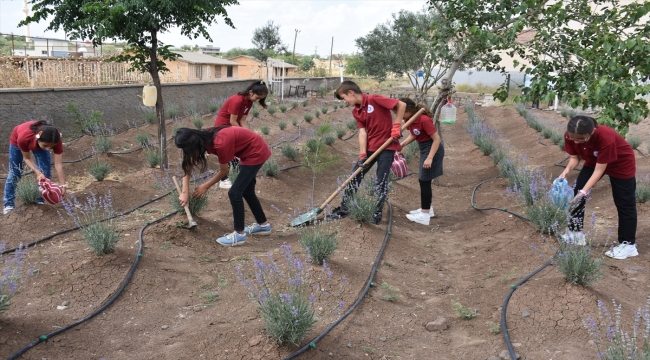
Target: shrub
335, 107
317, 113
294, 121
255, 112
483, 137
314, 145
547, 133
329, 139
391, 292
86, 123
568, 113
11, 275
171, 110
290, 152
150, 114
294, 105
103, 144
323, 129
308, 117
642, 189
556, 138
272, 110
352, 124
271, 168
305, 103
561, 144
463, 312
265, 130
196, 205
634, 141
578, 265
324, 110
233, 172
190, 108
319, 242
412, 149
142, 139
362, 205
100, 234
408, 157
214, 105
282, 108
498, 155
27, 190
282, 125
546, 216
99, 169
340, 132
153, 158
197, 121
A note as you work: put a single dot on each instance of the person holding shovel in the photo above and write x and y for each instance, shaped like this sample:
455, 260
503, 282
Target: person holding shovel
235, 110
37, 138
375, 122
226, 142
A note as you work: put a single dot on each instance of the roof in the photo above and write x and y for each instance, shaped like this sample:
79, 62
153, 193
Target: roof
525, 37
198, 58
286, 64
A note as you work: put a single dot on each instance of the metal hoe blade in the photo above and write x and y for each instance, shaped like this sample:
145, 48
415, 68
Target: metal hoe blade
306, 217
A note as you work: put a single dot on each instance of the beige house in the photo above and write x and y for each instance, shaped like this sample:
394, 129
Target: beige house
194, 67
252, 68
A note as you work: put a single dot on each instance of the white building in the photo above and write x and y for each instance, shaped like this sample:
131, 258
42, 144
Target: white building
210, 50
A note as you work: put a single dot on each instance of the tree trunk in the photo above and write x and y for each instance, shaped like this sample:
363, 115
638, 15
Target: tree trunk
160, 109
446, 89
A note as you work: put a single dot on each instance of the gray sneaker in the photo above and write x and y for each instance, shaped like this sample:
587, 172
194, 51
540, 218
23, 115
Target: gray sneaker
257, 229
7, 210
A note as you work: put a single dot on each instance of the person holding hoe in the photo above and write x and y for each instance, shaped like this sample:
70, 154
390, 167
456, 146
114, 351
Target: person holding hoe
226, 142
605, 152
37, 138
375, 122
235, 110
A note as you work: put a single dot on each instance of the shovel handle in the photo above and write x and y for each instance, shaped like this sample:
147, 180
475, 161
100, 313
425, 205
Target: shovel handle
370, 159
187, 209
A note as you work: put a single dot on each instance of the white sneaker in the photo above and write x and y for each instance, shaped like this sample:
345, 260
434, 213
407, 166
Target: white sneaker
622, 251
574, 237
420, 218
420, 210
225, 184
7, 210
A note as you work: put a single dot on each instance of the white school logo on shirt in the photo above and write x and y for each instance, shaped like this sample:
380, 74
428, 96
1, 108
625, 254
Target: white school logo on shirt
595, 153
416, 132
370, 109
245, 110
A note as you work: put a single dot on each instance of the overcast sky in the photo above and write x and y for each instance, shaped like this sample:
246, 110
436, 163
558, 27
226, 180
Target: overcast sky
317, 20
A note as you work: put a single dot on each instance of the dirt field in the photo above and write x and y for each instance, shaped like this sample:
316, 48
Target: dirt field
169, 309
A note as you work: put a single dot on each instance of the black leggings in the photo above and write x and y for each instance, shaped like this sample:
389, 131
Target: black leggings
425, 194
243, 188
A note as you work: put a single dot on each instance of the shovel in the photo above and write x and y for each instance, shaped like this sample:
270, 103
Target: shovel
191, 221
311, 215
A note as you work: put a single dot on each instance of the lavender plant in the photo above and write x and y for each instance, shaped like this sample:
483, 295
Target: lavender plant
352, 124
290, 152
27, 190
362, 204
294, 105
99, 168
578, 265
340, 132
197, 121
196, 205
153, 158
317, 113
324, 110
271, 168
142, 139
612, 342
103, 144
294, 121
272, 110
233, 172
282, 125
642, 192
265, 130
319, 241
171, 110
255, 112
283, 108
214, 105
634, 141
190, 108
95, 219
308, 117
11, 275
329, 140
483, 136
305, 103
149, 113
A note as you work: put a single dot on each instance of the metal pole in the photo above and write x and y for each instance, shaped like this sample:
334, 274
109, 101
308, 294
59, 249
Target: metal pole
47, 47
331, 50
283, 67
294, 47
13, 49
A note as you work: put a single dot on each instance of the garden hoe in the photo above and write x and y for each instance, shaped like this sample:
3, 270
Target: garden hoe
311, 215
191, 221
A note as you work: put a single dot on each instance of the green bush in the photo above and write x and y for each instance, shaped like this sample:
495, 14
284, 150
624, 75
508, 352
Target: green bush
556, 138
340, 132
27, 190
463, 312
362, 206
142, 139
319, 242
89, 123
282, 108
271, 110
305, 103
634, 141
329, 139
100, 234
546, 216
196, 205
265, 130
99, 169
324, 110
255, 112
643, 189
233, 172
214, 105
294, 105
153, 158
352, 124
294, 121
290, 152
547, 133
335, 107
317, 113
578, 265
314, 145
271, 168
197, 121
150, 114
103, 144
171, 110
282, 125
323, 129
308, 117
568, 113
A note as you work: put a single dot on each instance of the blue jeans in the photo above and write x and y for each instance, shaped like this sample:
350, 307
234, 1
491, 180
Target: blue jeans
16, 171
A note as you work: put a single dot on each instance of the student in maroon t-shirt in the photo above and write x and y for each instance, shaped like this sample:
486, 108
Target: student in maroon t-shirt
235, 110
227, 142
37, 138
605, 152
376, 125
432, 152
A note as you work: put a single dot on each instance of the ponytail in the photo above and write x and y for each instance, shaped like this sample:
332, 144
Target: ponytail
45, 133
258, 88
581, 125
194, 144
412, 107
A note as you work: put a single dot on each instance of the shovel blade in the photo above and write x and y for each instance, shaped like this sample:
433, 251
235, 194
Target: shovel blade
191, 224
306, 217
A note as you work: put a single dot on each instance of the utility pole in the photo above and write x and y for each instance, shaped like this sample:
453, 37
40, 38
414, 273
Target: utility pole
294, 47
331, 49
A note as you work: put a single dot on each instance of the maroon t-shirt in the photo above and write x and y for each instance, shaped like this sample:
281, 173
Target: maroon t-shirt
605, 146
235, 105
374, 115
23, 137
237, 141
422, 128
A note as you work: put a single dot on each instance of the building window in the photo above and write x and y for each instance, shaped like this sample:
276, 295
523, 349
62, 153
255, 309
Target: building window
199, 72
229, 71
43, 52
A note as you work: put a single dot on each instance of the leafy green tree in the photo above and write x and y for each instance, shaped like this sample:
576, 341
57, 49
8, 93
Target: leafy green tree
237, 51
354, 65
138, 23
306, 64
267, 41
397, 47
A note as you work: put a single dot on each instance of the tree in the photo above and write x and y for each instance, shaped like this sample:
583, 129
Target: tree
306, 64
138, 23
237, 51
354, 65
267, 38
397, 47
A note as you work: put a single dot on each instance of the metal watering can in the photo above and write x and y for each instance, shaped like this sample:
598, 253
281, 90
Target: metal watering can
561, 193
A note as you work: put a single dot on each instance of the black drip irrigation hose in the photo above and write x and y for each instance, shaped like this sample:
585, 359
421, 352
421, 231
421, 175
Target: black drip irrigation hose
292, 140
351, 135
539, 140
369, 283
108, 303
504, 325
